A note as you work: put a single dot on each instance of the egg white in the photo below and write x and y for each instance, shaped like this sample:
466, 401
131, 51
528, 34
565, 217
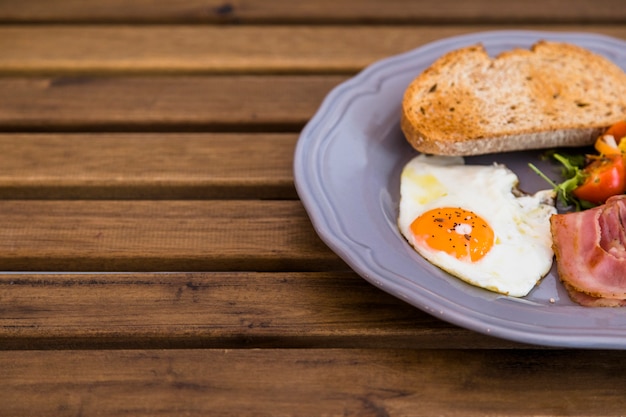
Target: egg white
522, 251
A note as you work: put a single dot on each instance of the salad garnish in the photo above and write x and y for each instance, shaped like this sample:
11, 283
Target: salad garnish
590, 179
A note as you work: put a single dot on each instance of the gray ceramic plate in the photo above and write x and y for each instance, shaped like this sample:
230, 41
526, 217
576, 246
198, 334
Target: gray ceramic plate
347, 167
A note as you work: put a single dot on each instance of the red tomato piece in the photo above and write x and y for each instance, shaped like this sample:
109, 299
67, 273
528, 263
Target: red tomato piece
605, 177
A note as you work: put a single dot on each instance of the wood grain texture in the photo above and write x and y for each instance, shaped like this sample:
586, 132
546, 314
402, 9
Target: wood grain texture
167, 49
217, 309
296, 382
160, 236
146, 166
171, 103
320, 11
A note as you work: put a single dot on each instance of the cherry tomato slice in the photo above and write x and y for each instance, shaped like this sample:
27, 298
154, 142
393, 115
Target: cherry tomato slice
618, 130
605, 177
612, 146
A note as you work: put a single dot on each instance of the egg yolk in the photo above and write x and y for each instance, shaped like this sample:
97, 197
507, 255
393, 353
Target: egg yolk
458, 232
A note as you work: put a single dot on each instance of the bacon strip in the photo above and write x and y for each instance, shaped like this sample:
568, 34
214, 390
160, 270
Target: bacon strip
590, 301
591, 254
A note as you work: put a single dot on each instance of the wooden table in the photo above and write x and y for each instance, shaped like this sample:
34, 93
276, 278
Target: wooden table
157, 259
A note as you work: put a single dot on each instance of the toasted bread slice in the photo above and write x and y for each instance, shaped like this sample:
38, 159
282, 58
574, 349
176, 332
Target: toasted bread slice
554, 94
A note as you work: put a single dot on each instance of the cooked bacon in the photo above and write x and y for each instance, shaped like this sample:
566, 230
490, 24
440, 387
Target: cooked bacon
590, 301
613, 234
591, 254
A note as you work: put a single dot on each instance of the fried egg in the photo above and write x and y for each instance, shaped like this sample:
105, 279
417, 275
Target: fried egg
472, 222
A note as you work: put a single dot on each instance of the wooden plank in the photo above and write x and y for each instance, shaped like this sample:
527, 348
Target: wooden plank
271, 103
294, 382
320, 11
219, 309
80, 49
159, 236
146, 166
